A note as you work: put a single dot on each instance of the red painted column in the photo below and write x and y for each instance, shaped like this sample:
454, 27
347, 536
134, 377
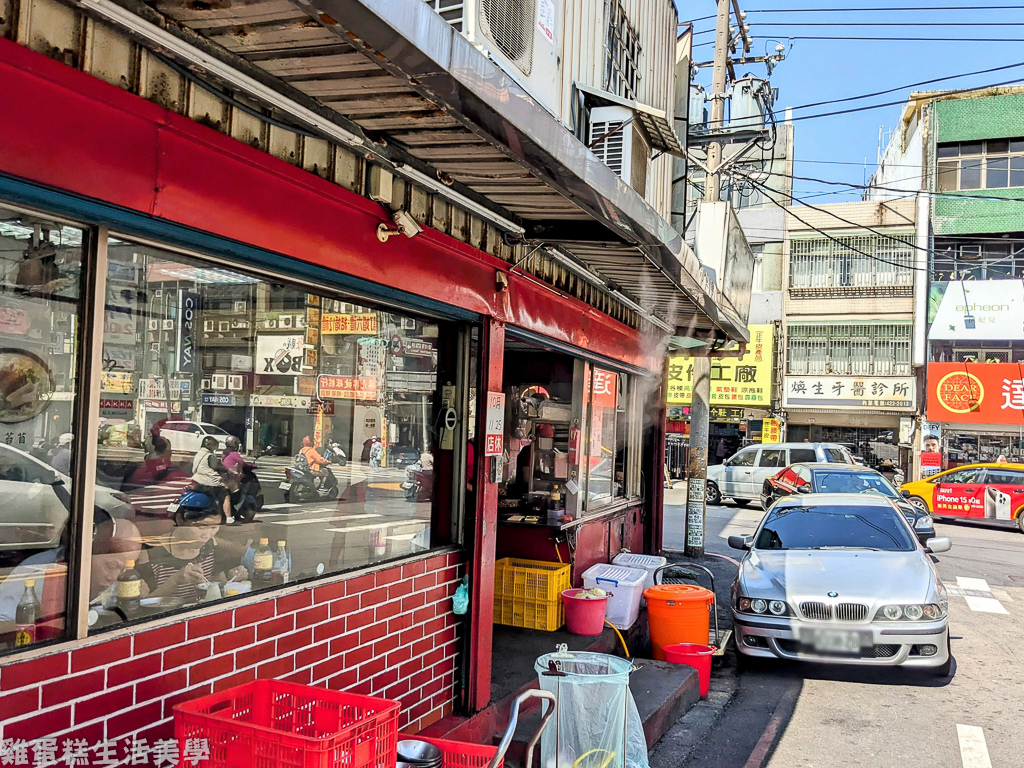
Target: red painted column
657, 502
492, 354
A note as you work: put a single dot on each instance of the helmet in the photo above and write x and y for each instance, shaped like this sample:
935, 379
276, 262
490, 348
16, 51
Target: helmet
196, 500
196, 505
233, 443
307, 442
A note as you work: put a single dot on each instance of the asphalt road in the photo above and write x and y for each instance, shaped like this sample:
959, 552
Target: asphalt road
789, 715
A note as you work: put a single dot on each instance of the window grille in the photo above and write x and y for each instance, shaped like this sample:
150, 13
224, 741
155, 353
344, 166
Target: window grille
622, 53
452, 11
824, 267
856, 349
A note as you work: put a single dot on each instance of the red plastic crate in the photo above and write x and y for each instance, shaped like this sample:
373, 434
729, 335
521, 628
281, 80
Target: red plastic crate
461, 754
272, 724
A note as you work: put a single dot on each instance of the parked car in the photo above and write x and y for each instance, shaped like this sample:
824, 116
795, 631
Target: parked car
37, 501
741, 476
989, 491
840, 579
843, 478
187, 436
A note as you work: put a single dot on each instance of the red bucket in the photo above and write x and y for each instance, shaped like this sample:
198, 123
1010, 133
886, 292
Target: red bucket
696, 656
584, 616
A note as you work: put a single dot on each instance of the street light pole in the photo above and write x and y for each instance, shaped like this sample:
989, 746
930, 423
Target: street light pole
700, 406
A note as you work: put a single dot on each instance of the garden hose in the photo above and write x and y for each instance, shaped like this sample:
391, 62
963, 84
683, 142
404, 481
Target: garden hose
605, 764
621, 639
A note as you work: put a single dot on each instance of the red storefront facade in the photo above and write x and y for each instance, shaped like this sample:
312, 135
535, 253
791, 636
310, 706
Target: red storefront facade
122, 169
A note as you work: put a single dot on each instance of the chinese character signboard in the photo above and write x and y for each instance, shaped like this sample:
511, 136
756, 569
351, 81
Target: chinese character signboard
494, 432
771, 431
976, 393
885, 393
743, 381
347, 387
332, 324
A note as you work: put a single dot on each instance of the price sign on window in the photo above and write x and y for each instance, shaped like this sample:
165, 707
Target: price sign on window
494, 432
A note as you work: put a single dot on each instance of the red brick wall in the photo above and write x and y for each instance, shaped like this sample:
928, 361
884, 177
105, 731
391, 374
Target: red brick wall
391, 633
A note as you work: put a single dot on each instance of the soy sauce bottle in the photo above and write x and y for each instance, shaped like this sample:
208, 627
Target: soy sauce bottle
129, 590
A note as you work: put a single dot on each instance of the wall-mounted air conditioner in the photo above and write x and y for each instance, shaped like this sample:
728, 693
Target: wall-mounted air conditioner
522, 36
624, 149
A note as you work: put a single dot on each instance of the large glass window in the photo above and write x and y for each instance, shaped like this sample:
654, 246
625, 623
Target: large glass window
40, 308
992, 164
264, 433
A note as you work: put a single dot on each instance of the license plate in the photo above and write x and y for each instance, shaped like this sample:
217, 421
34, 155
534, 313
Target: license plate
285, 486
172, 508
836, 641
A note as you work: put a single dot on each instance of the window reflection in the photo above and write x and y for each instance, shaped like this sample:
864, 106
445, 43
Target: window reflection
263, 433
40, 276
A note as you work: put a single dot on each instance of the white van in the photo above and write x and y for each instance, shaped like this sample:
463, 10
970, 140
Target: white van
741, 476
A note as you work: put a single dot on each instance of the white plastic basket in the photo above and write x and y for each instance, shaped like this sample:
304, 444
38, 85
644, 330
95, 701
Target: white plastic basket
626, 586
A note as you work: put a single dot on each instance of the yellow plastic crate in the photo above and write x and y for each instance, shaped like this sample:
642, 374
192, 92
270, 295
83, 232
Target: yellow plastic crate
530, 579
546, 615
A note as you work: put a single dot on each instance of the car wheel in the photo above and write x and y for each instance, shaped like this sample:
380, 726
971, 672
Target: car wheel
1020, 519
947, 668
712, 495
920, 503
741, 502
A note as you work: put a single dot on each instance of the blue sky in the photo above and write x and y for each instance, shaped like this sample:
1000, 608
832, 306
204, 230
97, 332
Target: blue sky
835, 148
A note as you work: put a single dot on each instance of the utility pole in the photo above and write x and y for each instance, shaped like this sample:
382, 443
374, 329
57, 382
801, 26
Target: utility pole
700, 406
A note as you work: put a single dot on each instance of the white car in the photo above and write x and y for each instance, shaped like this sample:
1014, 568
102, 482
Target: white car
187, 436
37, 500
741, 476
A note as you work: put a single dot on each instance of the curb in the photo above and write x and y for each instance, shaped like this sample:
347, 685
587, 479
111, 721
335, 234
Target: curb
693, 728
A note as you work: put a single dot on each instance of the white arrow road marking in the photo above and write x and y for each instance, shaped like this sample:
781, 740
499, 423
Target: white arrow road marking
973, 751
983, 603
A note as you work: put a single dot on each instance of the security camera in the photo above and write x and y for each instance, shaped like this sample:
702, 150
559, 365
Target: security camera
406, 225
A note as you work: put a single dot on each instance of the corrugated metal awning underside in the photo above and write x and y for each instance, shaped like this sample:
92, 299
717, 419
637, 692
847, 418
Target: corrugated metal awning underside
366, 71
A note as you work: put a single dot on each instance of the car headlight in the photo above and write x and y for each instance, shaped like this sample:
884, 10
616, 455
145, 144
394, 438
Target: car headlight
911, 612
923, 523
761, 607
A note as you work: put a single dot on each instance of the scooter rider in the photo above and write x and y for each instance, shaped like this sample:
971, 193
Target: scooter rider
208, 472
315, 460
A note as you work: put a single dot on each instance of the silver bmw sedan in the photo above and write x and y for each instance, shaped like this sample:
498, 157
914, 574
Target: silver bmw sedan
841, 579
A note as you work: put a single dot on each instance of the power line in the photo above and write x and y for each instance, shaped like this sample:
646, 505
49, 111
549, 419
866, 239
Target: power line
870, 107
887, 39
889, 24
911, 85
836, 216
890, 8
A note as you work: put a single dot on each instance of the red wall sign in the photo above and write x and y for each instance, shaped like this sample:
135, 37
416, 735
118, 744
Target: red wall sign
976, 393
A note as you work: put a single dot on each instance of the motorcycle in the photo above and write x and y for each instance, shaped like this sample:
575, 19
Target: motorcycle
301, 484
419, 483
247, 498
334, 453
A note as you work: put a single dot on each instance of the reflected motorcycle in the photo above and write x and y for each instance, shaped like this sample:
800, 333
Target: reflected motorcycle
301, 484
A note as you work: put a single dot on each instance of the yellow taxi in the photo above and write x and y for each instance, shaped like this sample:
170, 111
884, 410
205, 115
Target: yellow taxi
989, 491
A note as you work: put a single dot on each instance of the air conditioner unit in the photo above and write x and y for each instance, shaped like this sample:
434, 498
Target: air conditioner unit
624, 149
524, 37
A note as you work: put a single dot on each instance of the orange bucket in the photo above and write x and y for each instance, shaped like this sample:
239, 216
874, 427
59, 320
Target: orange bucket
677, 613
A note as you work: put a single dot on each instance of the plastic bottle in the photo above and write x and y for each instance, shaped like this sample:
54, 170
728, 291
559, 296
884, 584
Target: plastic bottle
129, 590
262, 565
26, 615
282, 565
